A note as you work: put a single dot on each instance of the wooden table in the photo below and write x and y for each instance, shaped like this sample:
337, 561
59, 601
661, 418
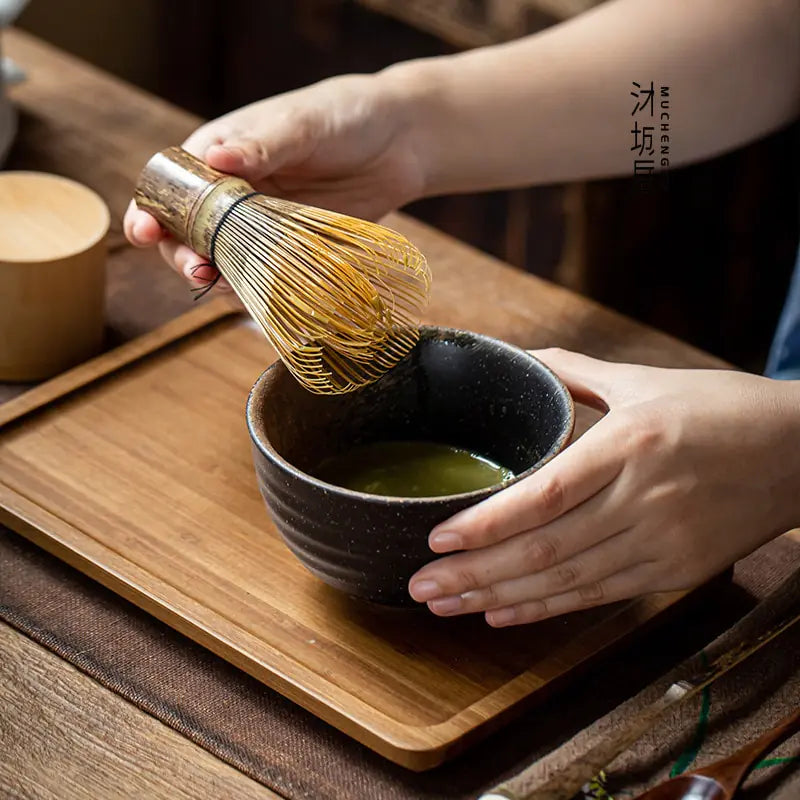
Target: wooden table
62, 734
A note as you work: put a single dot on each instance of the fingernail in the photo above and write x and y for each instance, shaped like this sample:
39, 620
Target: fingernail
446, 605
202, 273
445, 542
422, 591
501, 617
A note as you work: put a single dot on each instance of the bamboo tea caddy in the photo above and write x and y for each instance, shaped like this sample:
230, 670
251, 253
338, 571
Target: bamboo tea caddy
52, 272
338, 297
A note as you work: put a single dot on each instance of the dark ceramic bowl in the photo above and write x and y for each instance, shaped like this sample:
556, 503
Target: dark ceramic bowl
455, 387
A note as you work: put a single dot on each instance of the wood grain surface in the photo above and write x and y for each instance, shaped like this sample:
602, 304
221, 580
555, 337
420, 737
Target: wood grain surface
80, 122
105, 364
52, 270
62, 735
144, 480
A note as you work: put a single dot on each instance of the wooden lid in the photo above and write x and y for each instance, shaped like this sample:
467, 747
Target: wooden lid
47, 217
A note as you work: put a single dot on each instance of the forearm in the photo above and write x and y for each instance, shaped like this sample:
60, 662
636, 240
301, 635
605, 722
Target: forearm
782, 402
556, 106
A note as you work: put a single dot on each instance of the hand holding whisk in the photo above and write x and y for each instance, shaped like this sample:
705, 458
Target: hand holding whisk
338, 297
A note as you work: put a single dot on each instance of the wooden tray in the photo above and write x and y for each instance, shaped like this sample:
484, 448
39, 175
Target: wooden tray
136, 469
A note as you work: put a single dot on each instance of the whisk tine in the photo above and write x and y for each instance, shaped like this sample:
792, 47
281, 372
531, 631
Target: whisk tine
338, 297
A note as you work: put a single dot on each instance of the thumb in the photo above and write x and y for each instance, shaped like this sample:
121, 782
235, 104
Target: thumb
590, 381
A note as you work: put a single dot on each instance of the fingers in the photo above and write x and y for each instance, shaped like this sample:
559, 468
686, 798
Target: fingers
204, 137
629, 583
140, 228
252, 159
603, 384
247, 158
193, 267
184, 260
589, 380
534, 552
287, 138
572, 477
255, 159
584, 569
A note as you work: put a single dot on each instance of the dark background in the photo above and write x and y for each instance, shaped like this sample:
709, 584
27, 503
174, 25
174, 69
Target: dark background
708, 260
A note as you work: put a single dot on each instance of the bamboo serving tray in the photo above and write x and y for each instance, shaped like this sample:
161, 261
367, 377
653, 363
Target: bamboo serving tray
136, 469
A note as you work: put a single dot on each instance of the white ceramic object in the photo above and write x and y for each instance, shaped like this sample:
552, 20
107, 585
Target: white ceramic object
9, 74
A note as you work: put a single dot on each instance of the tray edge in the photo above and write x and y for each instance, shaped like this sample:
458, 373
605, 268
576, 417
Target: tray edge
112, 360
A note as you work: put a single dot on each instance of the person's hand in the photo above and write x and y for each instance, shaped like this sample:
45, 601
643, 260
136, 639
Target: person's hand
687, 472
345, 144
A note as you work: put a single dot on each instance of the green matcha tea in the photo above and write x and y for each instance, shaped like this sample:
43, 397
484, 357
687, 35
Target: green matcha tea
411, 469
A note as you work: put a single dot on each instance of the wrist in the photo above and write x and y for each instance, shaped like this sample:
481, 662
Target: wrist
416, 89
786, 410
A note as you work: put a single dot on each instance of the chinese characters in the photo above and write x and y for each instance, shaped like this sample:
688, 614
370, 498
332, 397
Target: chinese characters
651, 130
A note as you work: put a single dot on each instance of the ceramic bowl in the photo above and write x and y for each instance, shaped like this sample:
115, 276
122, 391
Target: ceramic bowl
455, 387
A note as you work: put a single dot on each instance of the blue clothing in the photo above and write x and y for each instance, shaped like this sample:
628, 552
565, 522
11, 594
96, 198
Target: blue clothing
784, 356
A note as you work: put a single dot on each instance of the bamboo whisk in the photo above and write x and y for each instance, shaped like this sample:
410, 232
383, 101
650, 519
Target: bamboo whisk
337, 297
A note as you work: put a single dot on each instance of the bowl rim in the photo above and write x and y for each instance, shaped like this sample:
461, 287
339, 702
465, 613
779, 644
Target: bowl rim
266, 448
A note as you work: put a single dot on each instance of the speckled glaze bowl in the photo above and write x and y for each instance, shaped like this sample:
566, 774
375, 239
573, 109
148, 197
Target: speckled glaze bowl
455, 387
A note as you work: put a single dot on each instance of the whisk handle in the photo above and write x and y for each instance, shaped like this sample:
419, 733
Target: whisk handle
187, 196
